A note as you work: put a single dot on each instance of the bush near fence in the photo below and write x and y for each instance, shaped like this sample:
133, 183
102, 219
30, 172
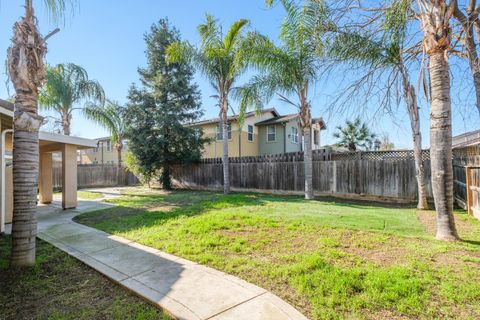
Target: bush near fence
376, 175
96, 176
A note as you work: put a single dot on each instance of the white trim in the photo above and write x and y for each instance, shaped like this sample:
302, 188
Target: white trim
54, 137
248, 133
275, 133
6, 111
2, 180
294, 137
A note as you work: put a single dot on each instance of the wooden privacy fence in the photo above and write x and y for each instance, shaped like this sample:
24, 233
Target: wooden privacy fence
377, 175
95, 176
467, 180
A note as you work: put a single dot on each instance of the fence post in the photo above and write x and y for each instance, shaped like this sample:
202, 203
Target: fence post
469, 191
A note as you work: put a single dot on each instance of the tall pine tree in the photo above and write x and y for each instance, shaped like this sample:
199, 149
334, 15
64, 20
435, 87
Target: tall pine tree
158, 111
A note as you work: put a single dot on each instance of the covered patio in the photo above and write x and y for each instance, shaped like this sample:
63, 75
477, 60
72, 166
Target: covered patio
49, 143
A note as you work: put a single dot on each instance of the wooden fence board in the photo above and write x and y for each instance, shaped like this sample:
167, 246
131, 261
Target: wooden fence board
387, 178
94, 176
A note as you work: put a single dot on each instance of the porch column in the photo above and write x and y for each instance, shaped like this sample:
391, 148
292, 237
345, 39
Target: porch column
45, 183
69, 176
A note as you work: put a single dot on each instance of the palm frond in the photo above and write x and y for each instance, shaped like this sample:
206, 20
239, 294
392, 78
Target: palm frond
234, 33
109, 117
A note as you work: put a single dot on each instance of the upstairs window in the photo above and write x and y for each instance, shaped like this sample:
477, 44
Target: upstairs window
294, 135
250, 133
271, 133
219, 133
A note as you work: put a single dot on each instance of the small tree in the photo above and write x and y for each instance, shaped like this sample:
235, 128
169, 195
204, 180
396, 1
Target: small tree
220, 60
354, 135
382, 51
67, 85
157, 115
291, 68
144, 173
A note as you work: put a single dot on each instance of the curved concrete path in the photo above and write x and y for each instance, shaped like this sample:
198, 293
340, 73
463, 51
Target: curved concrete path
182, 288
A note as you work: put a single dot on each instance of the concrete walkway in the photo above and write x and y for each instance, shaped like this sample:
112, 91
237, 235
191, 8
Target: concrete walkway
183, 288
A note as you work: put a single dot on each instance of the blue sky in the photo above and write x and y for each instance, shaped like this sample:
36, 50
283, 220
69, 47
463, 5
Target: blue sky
106, 38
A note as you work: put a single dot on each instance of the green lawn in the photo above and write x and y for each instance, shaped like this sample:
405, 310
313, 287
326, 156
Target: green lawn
85, 195
60, 287
331, 259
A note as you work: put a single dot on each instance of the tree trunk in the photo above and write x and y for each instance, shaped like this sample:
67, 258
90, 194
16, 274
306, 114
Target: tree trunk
119, 147
27, 73
411, 102
441, 145
225, 161
307, 161
166, 177
66, 119
435, 23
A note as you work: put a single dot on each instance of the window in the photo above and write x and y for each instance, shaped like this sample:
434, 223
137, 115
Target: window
250, 132
109, 145
316, 137
294, 135
219, 133
271, 133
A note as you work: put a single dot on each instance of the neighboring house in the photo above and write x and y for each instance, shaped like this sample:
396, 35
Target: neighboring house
467, 143
284, 134
104, 153
467, 139
261, 133
242, 141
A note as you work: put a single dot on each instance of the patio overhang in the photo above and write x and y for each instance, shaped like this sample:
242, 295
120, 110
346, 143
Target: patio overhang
48, 144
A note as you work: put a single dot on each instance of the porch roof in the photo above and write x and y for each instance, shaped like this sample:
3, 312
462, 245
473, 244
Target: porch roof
54, 141
48, 141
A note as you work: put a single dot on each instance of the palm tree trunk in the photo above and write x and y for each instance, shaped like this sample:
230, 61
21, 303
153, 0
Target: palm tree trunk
66, 124
26, 69
119, 164
225, 161
307, 161
411, 101
441, 144
435, 23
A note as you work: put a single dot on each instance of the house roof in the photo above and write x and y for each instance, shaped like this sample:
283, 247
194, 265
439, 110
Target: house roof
235, 117
289, 117
6, 108
81, 143
466, 139
104, 138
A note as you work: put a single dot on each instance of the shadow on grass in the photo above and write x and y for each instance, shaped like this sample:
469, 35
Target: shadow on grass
133, 211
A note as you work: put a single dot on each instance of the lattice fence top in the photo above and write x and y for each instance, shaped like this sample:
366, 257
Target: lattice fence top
379, 155
324, 155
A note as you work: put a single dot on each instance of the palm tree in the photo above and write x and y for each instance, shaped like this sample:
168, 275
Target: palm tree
220, 60
435, 18
384, 53
111, 118
354, 135
289, 69
66, 85
25, 63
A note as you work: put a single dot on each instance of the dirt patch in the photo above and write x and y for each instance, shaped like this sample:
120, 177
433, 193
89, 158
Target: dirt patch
427, 219
60, 287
